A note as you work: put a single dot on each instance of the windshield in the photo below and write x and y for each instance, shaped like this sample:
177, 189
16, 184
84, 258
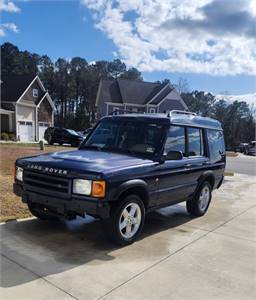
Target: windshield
126, 136
72, 132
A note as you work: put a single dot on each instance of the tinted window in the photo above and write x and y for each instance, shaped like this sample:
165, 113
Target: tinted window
195, 142
175, 139
216, 145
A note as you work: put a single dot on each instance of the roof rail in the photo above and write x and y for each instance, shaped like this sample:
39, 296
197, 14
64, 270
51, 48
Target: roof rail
181, 112
120, 111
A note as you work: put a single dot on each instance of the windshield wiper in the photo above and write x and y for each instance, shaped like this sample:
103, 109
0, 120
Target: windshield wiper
91, 147
118, 150
111, 148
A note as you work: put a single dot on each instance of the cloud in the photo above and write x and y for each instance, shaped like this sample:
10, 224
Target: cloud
215, 37
8, 26
8, 6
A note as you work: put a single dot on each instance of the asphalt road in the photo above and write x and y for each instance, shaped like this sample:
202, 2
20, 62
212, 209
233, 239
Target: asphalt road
242, 164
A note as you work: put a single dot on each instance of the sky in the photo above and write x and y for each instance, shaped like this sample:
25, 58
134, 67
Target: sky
211, 43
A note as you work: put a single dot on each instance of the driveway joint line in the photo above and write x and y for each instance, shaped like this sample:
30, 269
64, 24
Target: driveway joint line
171, 254
39, 276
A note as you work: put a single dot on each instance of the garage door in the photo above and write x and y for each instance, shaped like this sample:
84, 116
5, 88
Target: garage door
26, 132
42, 127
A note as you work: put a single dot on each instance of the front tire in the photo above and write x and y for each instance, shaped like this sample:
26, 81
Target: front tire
198, 206
126, 221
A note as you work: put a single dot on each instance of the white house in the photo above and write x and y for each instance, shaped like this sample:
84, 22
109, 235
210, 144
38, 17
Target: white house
26, 107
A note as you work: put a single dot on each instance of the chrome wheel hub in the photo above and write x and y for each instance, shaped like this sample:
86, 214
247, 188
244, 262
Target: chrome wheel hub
204, 198
130, 220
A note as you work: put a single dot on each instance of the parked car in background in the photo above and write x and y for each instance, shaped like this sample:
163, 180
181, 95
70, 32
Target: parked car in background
242, 147
251, 150
62, 136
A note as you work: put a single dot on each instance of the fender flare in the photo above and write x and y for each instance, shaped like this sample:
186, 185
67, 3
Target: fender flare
204, 176
130, 184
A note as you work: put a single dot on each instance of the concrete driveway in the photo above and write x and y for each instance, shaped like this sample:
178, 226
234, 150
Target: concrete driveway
212, 257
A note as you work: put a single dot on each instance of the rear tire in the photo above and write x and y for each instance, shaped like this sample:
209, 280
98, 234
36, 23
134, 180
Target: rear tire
126, 221
39, 213
198, 206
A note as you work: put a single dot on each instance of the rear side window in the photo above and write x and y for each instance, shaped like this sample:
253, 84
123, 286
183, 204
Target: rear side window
216, 145
176, 139
195, 142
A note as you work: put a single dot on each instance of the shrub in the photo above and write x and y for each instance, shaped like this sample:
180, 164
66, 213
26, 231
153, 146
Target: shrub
12, 136
4, 136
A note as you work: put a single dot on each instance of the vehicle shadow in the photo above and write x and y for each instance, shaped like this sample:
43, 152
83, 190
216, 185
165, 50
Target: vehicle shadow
47, 248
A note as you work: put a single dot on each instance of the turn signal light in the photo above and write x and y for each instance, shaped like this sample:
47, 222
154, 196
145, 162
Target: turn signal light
98, 189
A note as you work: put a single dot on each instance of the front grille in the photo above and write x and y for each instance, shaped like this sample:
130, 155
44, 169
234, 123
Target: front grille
47, 184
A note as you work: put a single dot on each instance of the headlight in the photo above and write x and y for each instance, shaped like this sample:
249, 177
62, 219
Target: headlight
19, 173
82, 186
93, 188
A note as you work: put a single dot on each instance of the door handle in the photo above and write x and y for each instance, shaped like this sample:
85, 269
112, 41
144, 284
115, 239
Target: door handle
187, 165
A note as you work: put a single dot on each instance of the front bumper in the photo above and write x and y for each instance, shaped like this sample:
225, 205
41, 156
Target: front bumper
64, 207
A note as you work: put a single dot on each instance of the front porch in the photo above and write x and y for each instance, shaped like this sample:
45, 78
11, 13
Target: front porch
7, 120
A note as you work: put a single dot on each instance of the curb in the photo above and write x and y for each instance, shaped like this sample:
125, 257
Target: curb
229, 173
17, 220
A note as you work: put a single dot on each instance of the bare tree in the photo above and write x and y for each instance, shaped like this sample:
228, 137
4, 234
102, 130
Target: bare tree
182, 85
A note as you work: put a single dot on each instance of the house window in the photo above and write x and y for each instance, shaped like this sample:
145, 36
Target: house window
152, 110
35, 93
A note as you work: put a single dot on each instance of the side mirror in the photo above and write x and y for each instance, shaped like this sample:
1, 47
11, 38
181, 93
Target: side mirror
174, 155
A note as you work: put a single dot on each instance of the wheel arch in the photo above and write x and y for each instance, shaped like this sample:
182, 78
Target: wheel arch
207, 176
137, 187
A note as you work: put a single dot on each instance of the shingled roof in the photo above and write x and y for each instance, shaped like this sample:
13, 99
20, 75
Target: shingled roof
128, 91
13, 86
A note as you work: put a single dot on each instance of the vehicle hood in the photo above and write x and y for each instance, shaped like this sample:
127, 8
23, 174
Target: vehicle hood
84, 161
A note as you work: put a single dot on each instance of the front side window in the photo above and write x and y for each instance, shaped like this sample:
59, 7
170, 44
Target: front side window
176, 139
195, 142
35, 93
216, 145
133, 137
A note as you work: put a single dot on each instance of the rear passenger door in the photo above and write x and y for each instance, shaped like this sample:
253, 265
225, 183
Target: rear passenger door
179, 178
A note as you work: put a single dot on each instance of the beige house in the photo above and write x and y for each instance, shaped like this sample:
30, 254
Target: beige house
26, 107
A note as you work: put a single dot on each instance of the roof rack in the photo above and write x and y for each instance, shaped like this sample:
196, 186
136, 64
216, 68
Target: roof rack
181, 112
118, 111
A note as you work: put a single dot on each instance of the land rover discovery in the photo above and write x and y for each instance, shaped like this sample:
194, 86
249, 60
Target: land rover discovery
127, 166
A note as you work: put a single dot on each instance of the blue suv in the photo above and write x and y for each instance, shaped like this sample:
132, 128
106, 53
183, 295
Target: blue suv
127, 166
